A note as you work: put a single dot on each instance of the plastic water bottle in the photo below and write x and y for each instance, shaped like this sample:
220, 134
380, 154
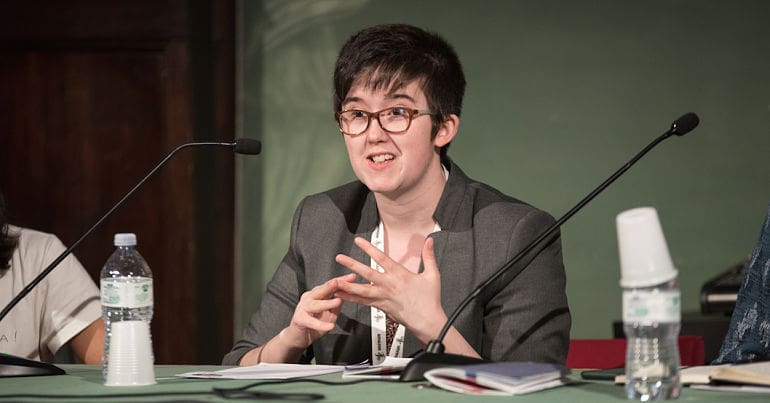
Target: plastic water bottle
651, 307
126, 288
651, 321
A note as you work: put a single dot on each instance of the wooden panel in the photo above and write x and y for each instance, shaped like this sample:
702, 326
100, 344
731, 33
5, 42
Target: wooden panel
111, 21
85, 114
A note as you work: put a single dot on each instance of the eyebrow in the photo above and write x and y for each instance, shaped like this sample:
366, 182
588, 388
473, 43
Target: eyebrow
390, 96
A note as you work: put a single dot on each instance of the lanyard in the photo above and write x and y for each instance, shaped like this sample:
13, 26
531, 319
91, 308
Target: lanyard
379, 321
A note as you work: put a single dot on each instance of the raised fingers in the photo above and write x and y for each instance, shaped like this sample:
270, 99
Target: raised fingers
316, 314
379, 256
366, 291
317, 306
348, 278
322, 291
356, 267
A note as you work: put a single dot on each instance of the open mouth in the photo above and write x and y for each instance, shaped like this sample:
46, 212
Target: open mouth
381, 158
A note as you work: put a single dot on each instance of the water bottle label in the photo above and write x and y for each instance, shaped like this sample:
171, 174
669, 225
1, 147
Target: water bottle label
119, 293
648, 307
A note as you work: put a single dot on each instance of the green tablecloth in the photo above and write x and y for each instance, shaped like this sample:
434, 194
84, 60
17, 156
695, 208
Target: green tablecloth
83, 380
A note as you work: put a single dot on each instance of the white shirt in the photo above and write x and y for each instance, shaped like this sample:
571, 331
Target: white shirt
61, 305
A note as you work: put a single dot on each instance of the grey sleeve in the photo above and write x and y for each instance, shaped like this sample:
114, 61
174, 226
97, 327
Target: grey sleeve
528, 319
278, 302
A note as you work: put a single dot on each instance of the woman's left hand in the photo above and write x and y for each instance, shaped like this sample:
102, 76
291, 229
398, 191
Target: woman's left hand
412, 299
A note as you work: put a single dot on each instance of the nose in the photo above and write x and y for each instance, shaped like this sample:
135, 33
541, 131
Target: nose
375, 133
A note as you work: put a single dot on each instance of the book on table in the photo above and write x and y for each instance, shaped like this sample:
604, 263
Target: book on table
499, 378
755, 373
725, 375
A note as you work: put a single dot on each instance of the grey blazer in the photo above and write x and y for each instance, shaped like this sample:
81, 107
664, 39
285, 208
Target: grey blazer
522, 316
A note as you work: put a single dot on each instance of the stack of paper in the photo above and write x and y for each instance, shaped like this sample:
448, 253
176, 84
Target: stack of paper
267, 371
390, 368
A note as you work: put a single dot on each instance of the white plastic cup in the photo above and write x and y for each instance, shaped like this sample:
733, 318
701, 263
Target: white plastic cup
644, 257
130, 356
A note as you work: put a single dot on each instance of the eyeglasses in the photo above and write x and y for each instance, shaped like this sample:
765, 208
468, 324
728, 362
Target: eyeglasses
395, 120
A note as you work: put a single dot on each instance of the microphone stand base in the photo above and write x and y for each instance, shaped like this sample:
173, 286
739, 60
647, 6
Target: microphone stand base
12, 366
423, 362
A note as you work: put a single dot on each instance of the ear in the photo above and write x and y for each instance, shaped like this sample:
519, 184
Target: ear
447, 131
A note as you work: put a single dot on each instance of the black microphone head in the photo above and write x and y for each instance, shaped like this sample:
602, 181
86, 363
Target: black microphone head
684, 124
247, 146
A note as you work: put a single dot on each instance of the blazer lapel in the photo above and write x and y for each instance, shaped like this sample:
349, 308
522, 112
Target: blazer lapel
367, 224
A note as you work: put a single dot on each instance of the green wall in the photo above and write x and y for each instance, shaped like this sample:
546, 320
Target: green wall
560, 94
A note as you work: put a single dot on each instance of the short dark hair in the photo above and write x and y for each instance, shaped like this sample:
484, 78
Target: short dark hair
8, 242
391, 56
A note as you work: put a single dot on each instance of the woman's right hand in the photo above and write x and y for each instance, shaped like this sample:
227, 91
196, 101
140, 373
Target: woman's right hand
313, 317
315, 313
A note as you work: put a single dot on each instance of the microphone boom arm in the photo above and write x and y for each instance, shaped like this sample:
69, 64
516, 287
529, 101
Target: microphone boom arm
27, 289
435, 346
434, 356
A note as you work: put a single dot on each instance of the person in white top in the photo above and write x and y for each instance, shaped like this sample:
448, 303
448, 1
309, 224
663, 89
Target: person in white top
63, 309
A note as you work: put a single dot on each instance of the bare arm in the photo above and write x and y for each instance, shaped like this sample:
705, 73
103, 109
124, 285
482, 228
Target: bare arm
88, 345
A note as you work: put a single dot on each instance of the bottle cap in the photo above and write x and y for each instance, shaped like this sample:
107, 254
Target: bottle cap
644, 257
127, 239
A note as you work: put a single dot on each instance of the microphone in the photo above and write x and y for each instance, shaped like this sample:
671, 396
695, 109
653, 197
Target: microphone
434, 356
17, 366
247, 146
684, 124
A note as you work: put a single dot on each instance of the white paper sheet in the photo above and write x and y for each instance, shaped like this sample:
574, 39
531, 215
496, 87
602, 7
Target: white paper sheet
390, 368
267, 371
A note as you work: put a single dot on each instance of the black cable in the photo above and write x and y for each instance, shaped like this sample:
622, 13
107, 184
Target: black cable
300, 380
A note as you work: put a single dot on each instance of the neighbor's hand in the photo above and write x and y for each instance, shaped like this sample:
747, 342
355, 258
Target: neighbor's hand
412, 299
